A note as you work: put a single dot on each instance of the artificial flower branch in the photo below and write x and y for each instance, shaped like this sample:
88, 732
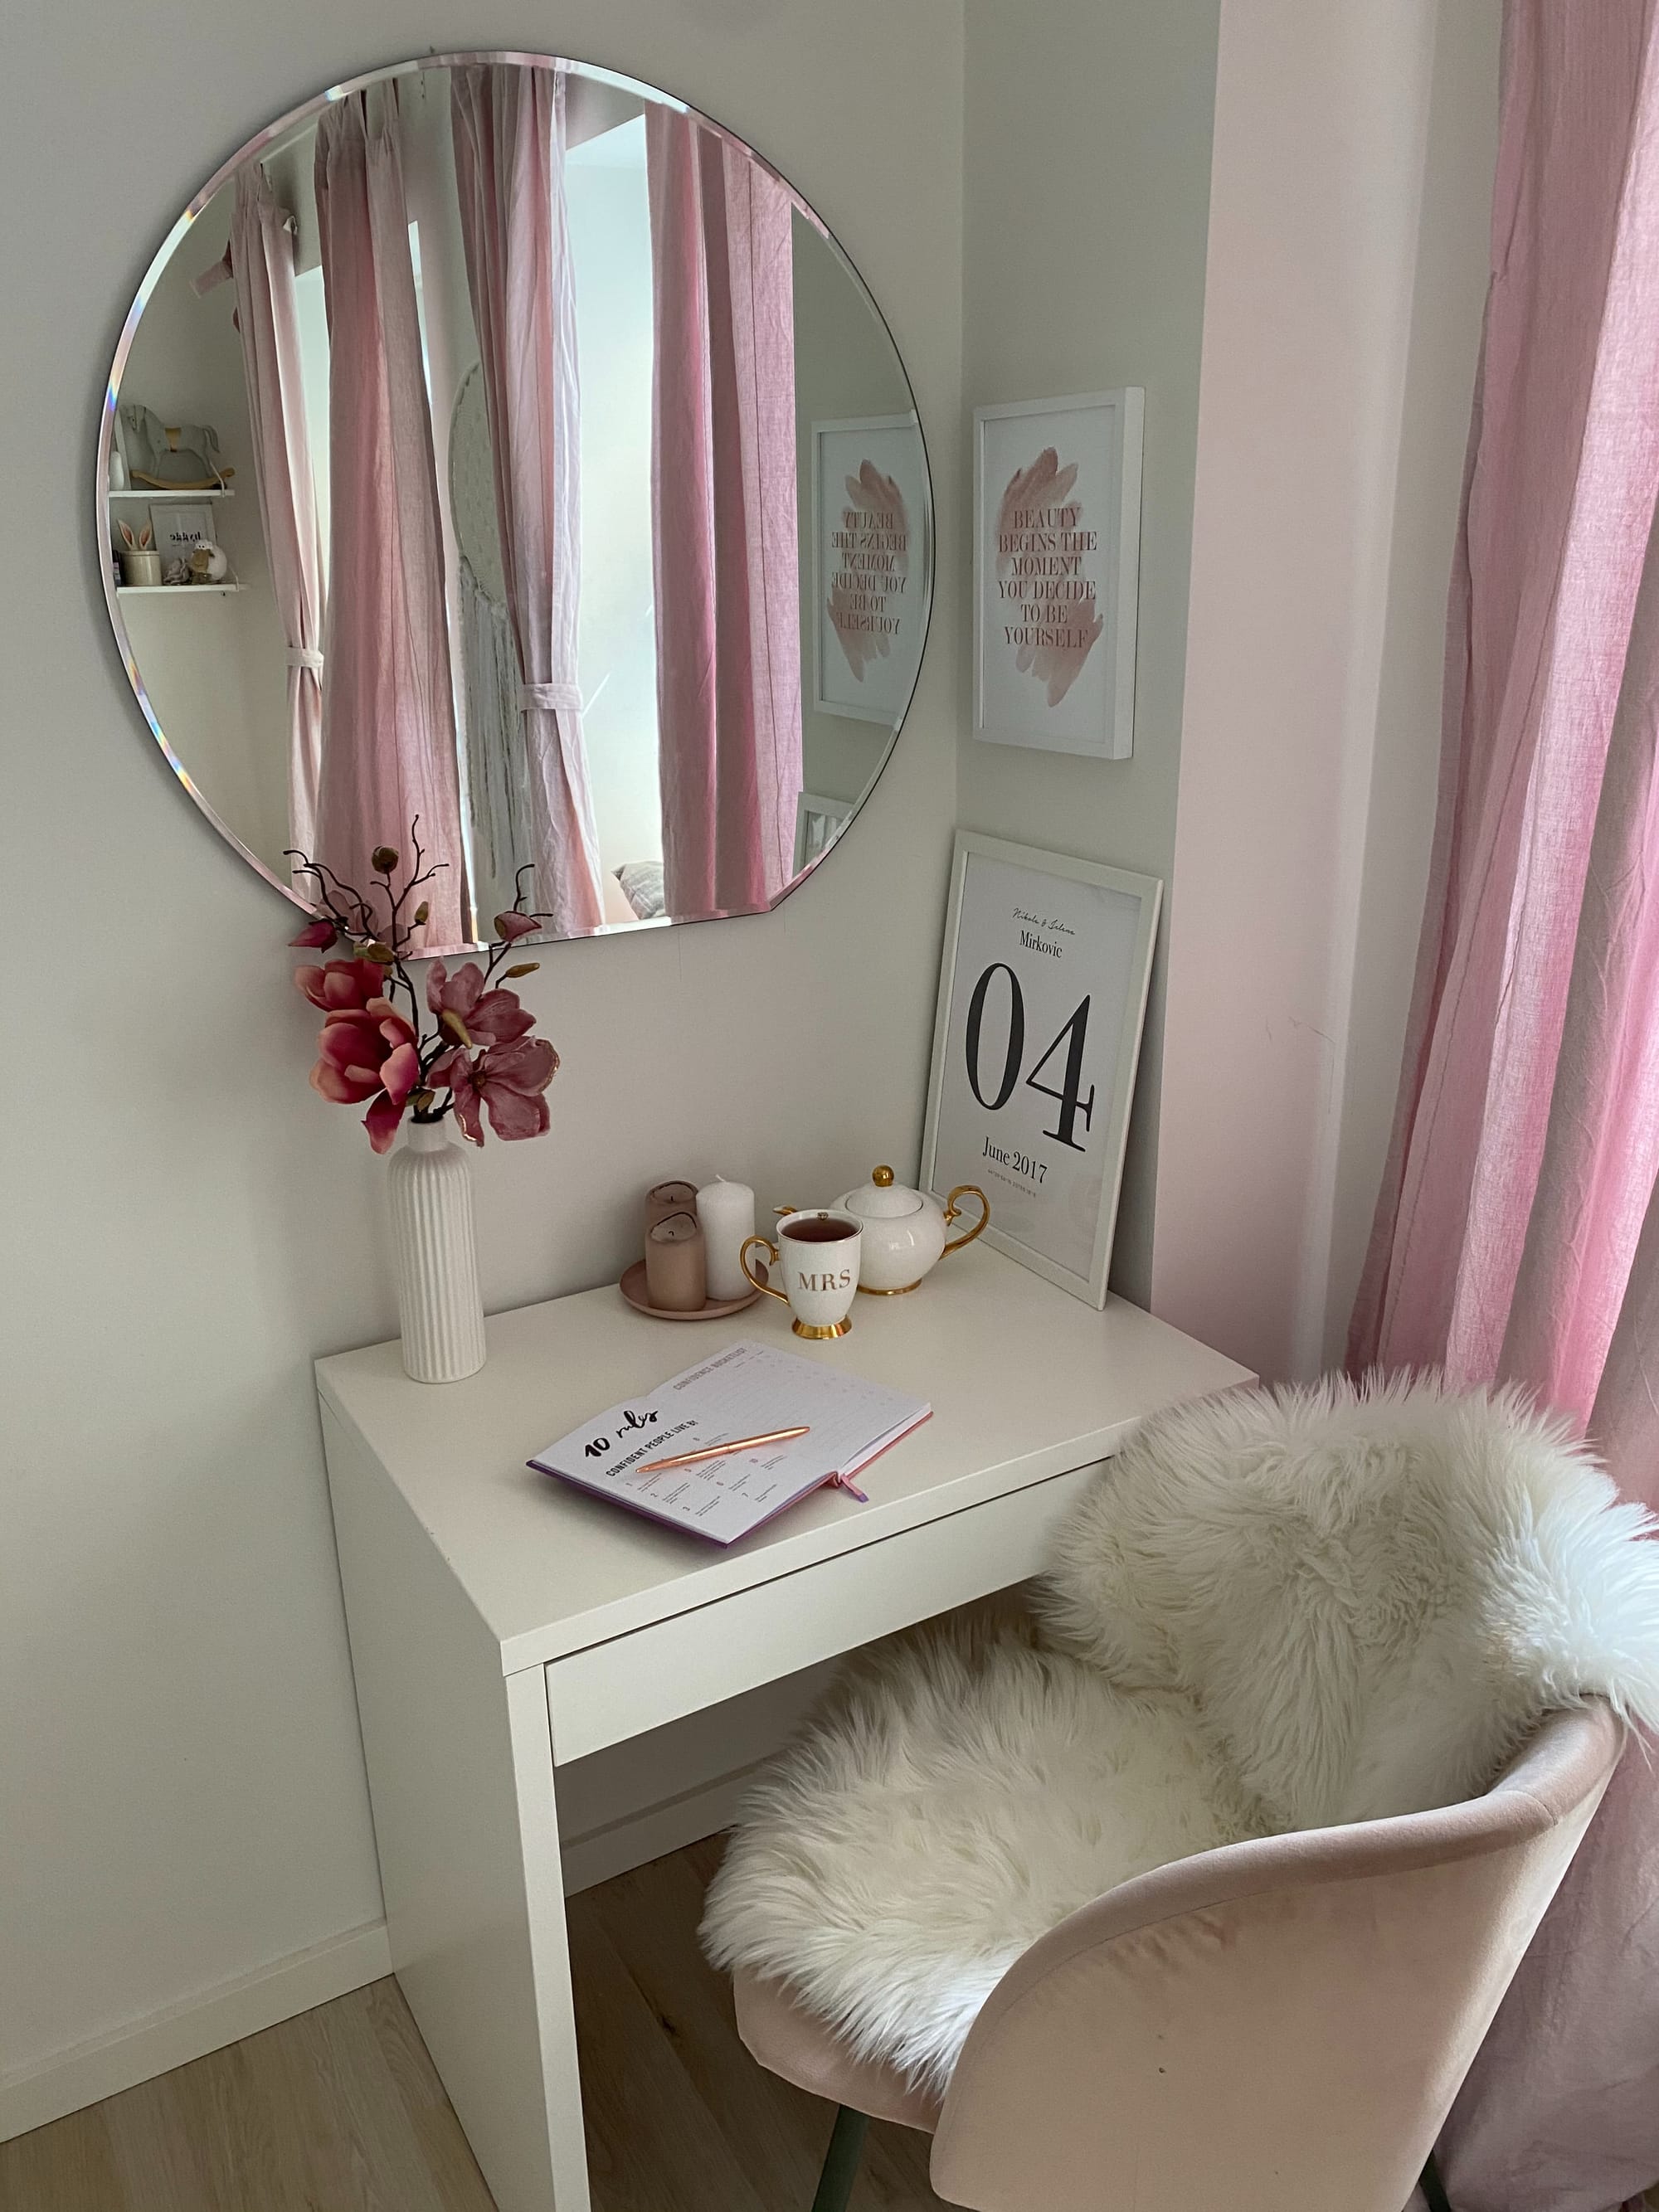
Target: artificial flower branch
477, 1057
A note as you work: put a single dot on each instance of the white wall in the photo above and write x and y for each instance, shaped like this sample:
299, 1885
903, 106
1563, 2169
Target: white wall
1087, 134
1449, 295
189, 1224
1352, 175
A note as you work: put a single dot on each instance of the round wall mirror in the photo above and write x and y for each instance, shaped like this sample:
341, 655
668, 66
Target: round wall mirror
500, 455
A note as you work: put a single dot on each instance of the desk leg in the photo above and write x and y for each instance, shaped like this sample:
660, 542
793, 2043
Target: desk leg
460, 1774
550, 1948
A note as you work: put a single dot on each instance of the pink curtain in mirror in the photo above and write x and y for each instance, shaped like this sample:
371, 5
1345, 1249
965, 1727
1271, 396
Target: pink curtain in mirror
724, 504
267, 317
388, 709
1509, 1242
508, 130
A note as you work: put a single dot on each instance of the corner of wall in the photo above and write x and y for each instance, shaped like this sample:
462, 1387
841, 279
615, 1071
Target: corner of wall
1333, 373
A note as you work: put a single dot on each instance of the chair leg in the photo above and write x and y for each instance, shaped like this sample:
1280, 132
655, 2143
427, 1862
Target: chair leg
841, 2163
1434, 2188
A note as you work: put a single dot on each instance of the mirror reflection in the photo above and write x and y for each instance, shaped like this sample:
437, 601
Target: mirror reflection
501, 444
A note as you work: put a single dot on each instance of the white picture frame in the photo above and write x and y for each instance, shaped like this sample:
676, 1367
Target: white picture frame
1074, 941
1057, 512
177, 529
873, 686
819, 820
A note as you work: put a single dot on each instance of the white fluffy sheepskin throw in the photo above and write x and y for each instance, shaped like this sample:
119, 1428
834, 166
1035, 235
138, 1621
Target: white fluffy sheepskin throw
1270, 1611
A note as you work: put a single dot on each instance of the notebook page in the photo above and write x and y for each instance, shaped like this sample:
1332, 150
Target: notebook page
744, 1390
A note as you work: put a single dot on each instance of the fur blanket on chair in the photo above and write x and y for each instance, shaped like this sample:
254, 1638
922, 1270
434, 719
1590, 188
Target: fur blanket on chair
1272, 1611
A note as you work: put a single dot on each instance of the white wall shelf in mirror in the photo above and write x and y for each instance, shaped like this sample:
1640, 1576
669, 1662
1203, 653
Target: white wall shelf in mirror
178, 591
555, 531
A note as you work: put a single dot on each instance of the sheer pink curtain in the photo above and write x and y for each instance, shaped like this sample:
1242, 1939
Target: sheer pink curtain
723, 481
509, 128
388, 710
267, 317
1527, 1136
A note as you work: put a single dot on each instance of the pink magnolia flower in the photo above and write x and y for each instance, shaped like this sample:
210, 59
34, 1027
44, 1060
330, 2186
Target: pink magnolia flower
510, 927
342, 987
508, 1081
369, 1053
316, 933
486, 1017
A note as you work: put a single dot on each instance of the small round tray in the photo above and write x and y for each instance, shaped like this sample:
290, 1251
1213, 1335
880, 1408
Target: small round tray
632, 1287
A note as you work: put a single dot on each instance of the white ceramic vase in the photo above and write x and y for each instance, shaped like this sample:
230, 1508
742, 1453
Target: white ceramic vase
439, 1307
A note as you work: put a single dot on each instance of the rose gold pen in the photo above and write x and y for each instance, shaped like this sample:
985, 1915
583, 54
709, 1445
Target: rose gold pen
718, 1451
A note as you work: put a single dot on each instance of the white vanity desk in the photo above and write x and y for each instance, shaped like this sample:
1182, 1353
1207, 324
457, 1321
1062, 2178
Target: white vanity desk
503, 1625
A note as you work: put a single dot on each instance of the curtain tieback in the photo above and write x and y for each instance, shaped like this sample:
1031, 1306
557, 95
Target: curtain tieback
304, 656
552, 698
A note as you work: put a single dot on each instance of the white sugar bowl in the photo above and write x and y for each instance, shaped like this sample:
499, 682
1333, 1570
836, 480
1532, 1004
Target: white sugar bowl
904, 1230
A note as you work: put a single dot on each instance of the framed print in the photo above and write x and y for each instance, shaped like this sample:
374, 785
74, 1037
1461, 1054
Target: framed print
1056, 562
1042, 996
818, 821
870, 566
178, 528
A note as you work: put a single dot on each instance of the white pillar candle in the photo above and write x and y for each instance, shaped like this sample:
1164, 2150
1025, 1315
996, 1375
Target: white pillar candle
726, 1211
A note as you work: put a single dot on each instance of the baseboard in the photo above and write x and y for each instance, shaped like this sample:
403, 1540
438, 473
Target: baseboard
639, 1838
90, 2071
178, 2032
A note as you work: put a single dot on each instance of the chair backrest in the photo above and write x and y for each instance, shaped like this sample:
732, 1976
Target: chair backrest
1375, 1593
1279, 2025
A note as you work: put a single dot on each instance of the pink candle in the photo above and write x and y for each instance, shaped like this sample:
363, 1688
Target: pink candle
666, 1198
675, 1277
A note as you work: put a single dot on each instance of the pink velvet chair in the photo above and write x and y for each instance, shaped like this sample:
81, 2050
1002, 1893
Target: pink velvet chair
1278, 2025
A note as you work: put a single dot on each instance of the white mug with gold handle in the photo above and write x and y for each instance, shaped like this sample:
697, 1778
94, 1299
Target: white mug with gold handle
817, 1253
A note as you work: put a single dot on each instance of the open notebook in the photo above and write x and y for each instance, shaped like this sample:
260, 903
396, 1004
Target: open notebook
747, 1390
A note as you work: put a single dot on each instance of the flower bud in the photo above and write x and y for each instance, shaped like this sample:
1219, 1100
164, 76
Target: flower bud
524, 967
382, 955
422, 912
385, 858
450, 1021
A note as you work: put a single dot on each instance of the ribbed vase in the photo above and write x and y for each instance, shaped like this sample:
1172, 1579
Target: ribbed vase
439, 1307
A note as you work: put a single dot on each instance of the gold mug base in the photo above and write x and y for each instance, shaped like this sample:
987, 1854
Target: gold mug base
869, 1290
836, 1329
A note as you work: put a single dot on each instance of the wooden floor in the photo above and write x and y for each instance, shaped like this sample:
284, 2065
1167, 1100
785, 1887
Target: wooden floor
340, 2110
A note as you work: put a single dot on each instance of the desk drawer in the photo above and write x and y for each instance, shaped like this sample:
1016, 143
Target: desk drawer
620, 1688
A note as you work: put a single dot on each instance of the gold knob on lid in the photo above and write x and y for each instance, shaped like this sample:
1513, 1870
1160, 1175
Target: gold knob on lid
882, 1178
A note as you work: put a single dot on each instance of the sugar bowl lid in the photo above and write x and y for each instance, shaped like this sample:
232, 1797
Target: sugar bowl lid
881, 1199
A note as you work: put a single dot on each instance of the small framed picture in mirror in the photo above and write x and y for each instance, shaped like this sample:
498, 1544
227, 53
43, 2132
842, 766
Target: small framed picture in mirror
1056, 557
870, 563
179, 529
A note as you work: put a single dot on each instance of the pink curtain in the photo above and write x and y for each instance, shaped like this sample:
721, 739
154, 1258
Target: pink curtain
1527, 1136
1560, 2112
267, 317
723, 483
509, 128
388, 709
